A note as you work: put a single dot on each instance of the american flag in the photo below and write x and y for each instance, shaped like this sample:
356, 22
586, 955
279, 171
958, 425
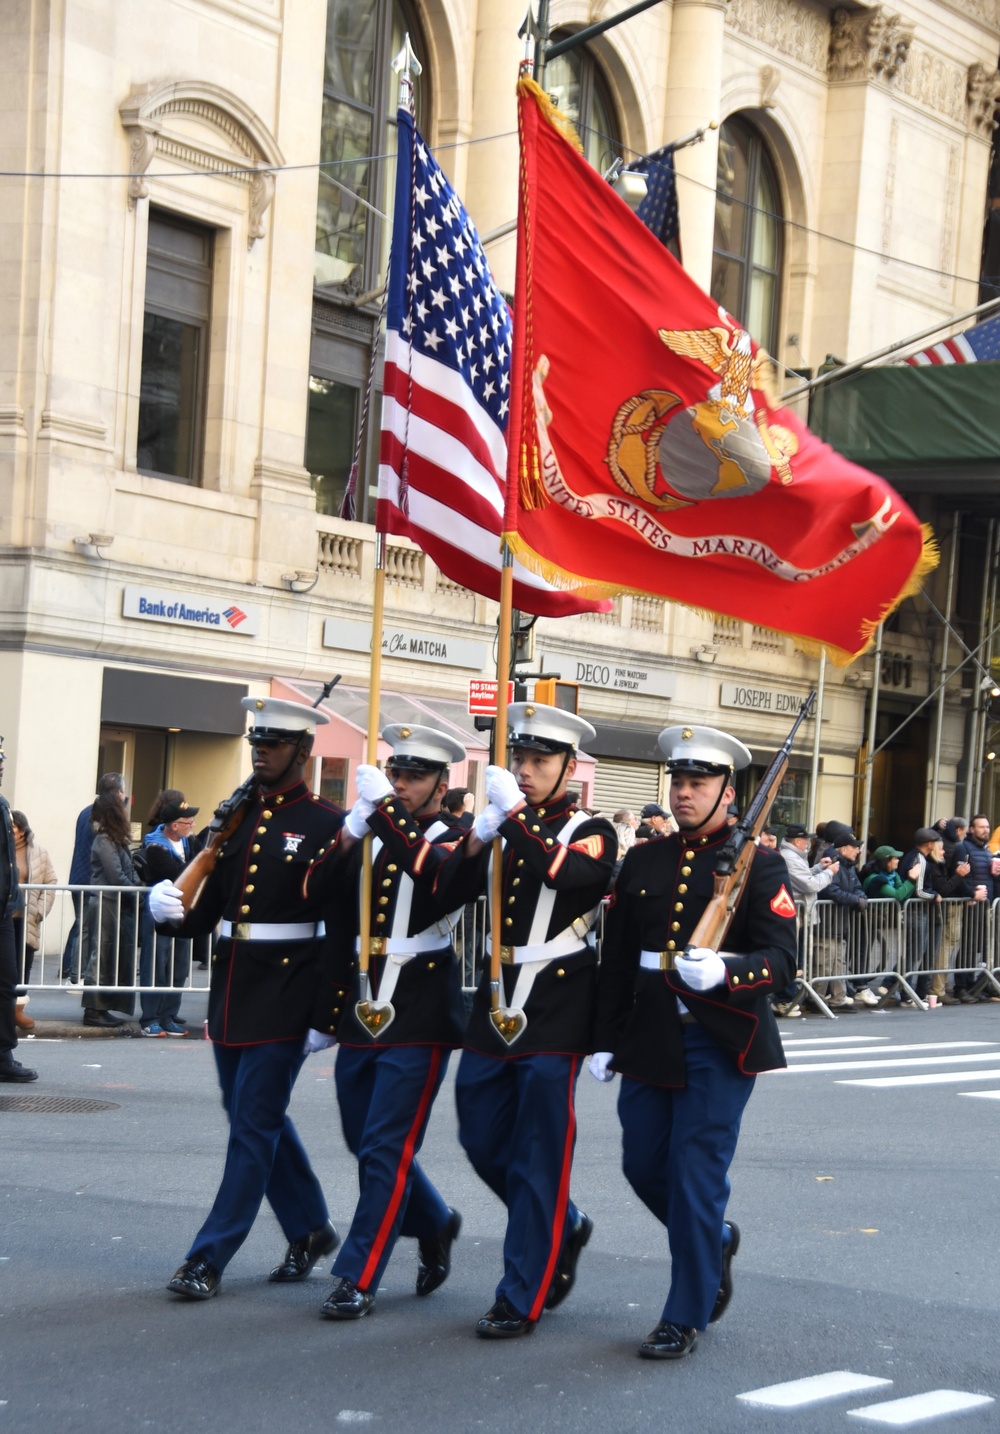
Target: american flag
980, 344
443, 454
659, 210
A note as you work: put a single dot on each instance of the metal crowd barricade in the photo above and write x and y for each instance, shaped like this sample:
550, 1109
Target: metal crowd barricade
102, 937
956, 937
842, 944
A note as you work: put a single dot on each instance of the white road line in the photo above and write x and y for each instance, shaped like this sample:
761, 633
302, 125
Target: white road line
878, 1065
916, 1046
829, 1040
981, 1094
901, 1413
799, 1392
935, 1078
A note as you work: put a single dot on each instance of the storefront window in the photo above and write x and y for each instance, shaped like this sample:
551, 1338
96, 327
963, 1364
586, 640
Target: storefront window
746, 267
333, 779
792, 802
331, 426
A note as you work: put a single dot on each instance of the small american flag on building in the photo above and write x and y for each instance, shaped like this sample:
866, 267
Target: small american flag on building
980, 344
443, 453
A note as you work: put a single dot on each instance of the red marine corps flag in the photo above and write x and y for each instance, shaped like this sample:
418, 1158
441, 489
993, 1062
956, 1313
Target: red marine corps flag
644, 452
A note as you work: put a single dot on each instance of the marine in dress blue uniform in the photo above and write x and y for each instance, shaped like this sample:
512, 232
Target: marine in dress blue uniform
395, 1036
689, 1029
266, 974
516, 1102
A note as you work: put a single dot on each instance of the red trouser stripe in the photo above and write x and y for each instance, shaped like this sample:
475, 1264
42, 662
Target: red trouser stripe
562, 1199
402, 1171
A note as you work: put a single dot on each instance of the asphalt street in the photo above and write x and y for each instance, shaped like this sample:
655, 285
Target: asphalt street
868, 1214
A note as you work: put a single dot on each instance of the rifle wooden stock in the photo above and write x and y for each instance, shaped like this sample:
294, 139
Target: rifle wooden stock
228, 817
739, 851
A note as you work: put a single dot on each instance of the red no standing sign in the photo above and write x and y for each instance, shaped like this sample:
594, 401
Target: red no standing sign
483, 696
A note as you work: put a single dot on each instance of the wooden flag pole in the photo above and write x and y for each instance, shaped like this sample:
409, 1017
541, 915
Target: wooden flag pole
499, 757
364, 1008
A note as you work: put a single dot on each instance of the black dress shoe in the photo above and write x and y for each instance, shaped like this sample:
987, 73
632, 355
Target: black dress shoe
668, 1341
346, 1301
435, 1256
103, 1019
726, 1283
302, 1254
13, 1070
504, 1322
196, 1280
565, 1276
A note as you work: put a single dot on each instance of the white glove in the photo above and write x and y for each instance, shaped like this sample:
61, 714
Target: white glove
701, 969
488, 823
317, 1041
598, 1066
372, 784
356, 820
502, 790
166, 903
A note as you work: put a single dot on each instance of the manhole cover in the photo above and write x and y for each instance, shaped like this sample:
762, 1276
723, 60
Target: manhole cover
54, 1104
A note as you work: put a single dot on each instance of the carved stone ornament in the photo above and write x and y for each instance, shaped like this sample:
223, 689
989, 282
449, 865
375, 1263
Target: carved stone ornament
982, 96
206, 128
868, 45
770, 79
792, 31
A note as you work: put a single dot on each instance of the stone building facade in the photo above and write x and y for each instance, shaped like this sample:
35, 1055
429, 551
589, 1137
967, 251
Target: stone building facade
193, 241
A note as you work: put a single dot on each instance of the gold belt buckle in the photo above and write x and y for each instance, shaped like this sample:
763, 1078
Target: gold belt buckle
667, 960
241, 931
376, 946
507, 955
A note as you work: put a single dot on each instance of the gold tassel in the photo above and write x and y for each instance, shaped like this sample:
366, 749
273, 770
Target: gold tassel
555, 117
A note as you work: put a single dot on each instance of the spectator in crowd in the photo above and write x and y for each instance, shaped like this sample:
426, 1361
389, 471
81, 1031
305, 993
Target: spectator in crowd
626, 815
956, 864
935, 880
111, 922
657, 819
166, 960
768, 839
10, 900
74, 959
806, 882
884, 881
921, 934
34, 868
819, 846
842, 935
457, 807
980, 885
625, 832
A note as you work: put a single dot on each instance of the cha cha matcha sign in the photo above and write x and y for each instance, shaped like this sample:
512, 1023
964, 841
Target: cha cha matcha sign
408, 644
187, 608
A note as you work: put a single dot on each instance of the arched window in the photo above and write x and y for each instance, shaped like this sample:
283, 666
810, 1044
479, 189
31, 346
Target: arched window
579, 89
358, 138
746, 265
360, 97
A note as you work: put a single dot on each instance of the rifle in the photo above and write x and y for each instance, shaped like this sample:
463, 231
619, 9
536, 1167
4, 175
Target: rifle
735, 857
228, 816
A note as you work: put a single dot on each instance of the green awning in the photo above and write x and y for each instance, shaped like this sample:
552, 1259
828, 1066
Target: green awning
940, 416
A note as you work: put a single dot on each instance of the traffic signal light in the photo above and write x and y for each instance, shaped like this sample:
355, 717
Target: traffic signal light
552, 692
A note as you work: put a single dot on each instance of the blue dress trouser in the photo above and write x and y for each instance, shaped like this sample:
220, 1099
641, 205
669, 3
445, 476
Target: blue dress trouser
677, 1147
385, 1096
265, 1156
517, 1124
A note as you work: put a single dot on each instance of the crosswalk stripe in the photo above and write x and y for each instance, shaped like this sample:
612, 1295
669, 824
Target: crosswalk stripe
916, 1046
876, 1064
828, 1040
934, 1078
797, 1393
898, 1413
981, 1094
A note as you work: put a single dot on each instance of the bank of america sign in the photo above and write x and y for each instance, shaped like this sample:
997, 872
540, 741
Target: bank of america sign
189, 608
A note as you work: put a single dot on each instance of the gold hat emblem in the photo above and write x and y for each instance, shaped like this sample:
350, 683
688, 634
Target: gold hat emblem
529, 712
405, 732
259, 704
687, 734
